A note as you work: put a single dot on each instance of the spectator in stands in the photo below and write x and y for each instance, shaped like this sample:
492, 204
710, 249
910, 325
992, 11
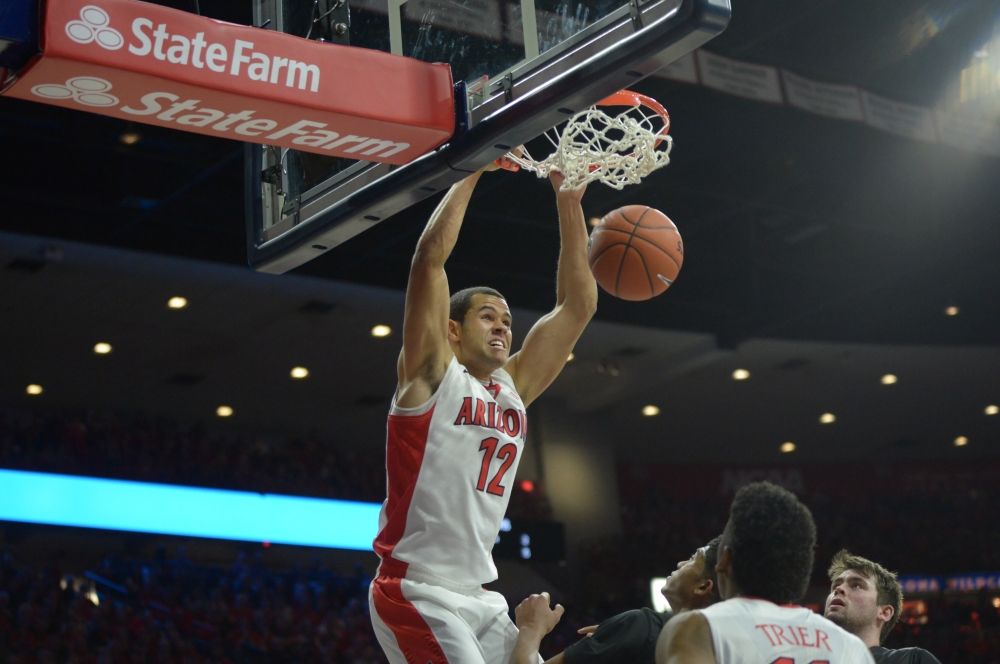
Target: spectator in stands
627, 637
866, 599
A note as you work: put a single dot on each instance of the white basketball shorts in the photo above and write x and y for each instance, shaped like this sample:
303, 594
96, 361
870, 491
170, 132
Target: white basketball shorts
419, 621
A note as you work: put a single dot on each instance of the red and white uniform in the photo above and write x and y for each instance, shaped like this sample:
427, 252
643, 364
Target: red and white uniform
756, 631
450, 467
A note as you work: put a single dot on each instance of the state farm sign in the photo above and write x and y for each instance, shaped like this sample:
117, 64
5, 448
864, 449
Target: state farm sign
171, 68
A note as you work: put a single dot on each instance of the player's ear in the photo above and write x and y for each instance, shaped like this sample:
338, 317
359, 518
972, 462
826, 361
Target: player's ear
454, 331
885, 614
704, 588
725, 559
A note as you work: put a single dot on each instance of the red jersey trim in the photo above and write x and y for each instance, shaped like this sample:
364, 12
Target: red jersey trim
406, 440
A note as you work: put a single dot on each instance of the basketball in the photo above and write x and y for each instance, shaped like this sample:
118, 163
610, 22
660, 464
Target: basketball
635, 252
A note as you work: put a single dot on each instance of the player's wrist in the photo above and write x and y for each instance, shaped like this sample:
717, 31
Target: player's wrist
532, 633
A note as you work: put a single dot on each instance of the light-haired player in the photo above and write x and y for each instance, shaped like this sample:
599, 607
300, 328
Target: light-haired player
456, 430
865, 599
765, 561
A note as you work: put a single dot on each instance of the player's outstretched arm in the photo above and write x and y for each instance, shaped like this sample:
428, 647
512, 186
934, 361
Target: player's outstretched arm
426, 351
550, 341
534, 620
686, 639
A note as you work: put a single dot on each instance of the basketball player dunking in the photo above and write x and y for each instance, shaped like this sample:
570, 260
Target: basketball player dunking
455, 433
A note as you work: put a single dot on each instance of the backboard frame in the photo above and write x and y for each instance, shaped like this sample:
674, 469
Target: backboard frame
625, 46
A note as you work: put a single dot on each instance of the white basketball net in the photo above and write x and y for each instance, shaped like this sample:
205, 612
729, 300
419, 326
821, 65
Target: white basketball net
616, 150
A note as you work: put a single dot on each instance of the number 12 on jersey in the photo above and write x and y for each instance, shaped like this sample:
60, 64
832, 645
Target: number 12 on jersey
507, 453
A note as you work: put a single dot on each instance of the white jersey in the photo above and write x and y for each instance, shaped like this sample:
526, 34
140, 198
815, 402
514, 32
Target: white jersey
450, 466
756, 631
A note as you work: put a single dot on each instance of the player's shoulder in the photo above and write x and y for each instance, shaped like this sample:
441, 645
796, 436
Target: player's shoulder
501, 376
746, 606
904, 656
757, 610
454, 370
644, 617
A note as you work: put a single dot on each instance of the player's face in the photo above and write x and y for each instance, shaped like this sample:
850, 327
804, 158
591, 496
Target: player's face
853, 601
486, 330
680, 586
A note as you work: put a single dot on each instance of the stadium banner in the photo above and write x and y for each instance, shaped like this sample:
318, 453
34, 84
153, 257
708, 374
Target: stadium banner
898, 118
146, 63
842, 102
743, 79
963, 583
165, 509
684, 70
969, 134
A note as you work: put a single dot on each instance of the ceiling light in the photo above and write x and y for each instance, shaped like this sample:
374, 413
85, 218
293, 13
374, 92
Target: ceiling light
300, 372
650, 411
102, 348
788, 447
827, 418
177, 302
961, 441
951, 311
888, 379
381, 331
223, 411
130, 138
741, 374
34, 389
571, 357
992, 410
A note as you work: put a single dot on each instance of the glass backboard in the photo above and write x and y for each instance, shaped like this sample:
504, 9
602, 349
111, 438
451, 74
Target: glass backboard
519, 66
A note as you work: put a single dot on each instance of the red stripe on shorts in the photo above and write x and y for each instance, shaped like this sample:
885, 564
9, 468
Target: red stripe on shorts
413, 635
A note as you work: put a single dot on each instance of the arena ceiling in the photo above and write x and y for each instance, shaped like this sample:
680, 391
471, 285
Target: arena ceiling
796, 226
241, 333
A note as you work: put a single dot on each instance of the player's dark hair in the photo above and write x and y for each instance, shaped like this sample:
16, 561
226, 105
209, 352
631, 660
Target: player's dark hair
462, 300
772, 536
889, 590
711, 560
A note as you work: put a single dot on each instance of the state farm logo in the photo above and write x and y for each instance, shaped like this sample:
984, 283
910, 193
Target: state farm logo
86, 90
93, 26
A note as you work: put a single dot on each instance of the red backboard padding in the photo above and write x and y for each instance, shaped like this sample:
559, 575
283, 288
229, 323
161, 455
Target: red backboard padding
151, 64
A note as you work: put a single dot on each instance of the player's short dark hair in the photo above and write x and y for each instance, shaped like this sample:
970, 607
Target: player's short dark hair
711, 560
462, 301
889, 590
772, 536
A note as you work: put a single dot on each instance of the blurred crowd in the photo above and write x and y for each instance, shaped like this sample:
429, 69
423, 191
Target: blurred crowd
159, 450
902, 527
171, 610
167, 611
956, 629
174, 612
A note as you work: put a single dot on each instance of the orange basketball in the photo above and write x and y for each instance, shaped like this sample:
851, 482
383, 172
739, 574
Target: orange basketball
635, 252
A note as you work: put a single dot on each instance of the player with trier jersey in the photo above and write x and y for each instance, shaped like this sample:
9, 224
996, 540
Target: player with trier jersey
765, 560
456, 430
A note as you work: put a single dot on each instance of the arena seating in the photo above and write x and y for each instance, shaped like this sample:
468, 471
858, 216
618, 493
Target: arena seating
168, 610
